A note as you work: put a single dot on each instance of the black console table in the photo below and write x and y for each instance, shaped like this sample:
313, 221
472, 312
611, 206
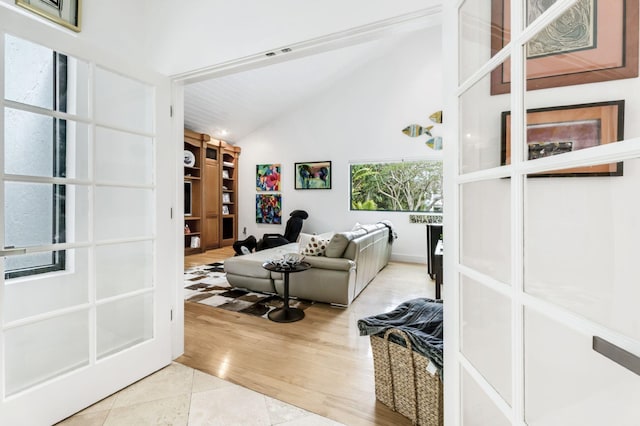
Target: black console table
434, 232
286, 313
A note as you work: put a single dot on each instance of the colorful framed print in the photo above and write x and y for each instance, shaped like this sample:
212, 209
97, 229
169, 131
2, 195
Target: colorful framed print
313, 175
65, 13
268, 177
557, 130
269, 208
605, 48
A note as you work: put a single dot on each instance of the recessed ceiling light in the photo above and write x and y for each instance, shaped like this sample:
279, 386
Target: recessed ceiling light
224, 132
286, 50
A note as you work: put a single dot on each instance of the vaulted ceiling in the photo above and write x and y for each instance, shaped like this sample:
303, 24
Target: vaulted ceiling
234, 104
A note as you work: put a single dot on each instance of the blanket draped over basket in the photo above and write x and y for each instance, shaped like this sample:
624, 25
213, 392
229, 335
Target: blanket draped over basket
420, 319
406, 344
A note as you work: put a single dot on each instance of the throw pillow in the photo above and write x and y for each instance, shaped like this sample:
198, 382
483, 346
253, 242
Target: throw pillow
303, 241
316, 247
337, 244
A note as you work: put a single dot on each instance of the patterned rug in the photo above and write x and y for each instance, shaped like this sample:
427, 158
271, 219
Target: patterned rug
207, 284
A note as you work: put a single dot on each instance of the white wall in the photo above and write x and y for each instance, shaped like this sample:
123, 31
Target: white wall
360, 118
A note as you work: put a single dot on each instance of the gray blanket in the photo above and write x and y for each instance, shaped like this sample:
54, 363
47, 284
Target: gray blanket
420, 318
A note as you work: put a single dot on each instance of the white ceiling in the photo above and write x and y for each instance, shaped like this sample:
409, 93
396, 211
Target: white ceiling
234, 105
243, 102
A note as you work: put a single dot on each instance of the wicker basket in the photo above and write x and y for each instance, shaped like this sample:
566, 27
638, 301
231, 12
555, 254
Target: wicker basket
403, 382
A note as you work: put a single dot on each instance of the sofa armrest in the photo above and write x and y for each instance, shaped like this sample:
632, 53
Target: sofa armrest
334, 263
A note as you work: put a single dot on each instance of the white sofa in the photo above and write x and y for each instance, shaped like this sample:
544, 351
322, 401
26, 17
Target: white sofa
352, 259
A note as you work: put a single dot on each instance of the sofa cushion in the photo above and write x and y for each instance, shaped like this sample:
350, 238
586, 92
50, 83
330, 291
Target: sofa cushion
303, 241
340, 241
316, 247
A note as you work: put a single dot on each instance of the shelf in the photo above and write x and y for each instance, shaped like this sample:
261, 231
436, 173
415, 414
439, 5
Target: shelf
228, 164
191, 234
189, 177
192, 218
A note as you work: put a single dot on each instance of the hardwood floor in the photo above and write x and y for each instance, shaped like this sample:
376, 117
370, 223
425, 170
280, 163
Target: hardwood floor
320, 364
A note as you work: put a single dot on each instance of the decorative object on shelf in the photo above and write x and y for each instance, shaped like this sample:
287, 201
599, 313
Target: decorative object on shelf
269, 208
225, 209
225, 174
268, 177
226, 197
559, 55
186, 229
557, 130
195, 242
415, 130
189, 158
313, 175
64, 12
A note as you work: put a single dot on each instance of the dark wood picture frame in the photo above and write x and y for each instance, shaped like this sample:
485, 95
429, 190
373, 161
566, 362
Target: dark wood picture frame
569, 128
580, 66
313, 175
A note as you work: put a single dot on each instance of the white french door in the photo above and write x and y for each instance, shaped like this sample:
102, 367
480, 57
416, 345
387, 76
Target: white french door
541, 230
86, 233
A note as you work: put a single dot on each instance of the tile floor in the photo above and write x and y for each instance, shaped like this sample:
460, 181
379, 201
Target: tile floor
180, 395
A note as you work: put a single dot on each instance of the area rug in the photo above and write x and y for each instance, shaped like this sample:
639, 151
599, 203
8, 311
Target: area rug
207, 284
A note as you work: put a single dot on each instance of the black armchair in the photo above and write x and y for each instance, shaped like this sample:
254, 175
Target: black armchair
291, 232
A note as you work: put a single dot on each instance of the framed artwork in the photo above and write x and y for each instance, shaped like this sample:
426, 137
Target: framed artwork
556, 130
63, 12
269, 208
226, 197
225, 209
225, 174
313, 175
605, 49
268, 177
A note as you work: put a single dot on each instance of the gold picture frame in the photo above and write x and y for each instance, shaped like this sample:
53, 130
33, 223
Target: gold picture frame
63, 12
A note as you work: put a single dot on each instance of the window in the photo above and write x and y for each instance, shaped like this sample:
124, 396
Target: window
35, 145
406, 186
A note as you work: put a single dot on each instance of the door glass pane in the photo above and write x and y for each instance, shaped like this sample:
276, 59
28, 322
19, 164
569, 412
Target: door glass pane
123, 102
123, 213
568, 383
485, 228
481, 124
485, 335
44, 350
36, 75
29, 73
28, 296
122, 268
42, 214
37, 145
477, 408
123, 157
480, 37
124, 323
581, 245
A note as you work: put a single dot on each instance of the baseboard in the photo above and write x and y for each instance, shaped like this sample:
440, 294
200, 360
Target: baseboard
406, 258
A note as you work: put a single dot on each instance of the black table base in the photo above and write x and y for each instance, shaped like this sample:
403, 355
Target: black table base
286, 314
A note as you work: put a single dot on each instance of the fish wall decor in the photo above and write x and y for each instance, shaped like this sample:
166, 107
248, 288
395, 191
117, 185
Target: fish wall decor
415, 130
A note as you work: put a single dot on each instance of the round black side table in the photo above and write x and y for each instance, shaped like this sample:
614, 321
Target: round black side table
286, 313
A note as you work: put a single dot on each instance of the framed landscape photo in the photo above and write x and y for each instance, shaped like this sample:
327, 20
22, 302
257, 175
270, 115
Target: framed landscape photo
557, 130
313, 175
592, 41
63, 12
